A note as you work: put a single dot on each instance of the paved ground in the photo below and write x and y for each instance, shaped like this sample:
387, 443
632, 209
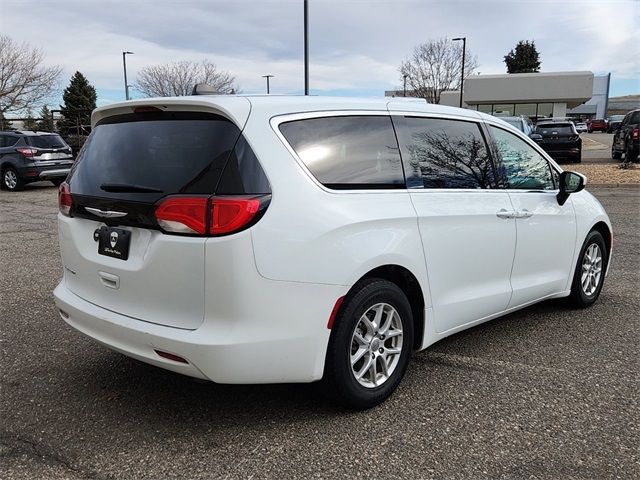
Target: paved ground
543, 393
596, 148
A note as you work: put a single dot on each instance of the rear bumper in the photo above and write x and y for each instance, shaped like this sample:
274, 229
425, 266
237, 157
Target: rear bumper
33, 172
573, 153
293, 352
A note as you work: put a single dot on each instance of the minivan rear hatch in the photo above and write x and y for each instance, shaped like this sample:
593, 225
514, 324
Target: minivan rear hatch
127, 165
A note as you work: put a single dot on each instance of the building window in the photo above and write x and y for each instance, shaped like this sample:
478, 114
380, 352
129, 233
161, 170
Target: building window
485, 108
504, 109
545, 110
528, 109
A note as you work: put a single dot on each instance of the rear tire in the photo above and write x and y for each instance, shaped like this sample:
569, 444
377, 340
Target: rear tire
370, 344
615, 154
588, 277
11, 180
630, 155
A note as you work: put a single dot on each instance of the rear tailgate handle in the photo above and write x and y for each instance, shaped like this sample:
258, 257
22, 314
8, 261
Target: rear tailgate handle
109, 280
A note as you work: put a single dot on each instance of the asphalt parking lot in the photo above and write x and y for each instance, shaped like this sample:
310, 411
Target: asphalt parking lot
546, 392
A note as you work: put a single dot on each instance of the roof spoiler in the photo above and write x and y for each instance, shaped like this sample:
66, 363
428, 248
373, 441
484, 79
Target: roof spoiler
206, 89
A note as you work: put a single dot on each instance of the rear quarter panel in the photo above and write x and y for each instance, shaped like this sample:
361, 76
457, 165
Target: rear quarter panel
311, 234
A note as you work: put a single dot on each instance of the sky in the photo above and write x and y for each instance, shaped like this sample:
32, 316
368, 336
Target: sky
356, 46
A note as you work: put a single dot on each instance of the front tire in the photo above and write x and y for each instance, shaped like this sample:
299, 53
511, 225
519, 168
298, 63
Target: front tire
11, 180
370, 344
588, 277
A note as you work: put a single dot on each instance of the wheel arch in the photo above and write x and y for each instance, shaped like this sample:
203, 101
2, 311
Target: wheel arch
606, 233
409, 284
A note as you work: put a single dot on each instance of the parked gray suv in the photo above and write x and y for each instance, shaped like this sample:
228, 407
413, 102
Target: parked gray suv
27, 156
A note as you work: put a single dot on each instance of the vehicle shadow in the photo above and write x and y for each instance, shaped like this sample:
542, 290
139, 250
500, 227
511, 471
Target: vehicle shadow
155, 396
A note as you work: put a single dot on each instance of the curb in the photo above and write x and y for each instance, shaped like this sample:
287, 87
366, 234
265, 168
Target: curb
612, 185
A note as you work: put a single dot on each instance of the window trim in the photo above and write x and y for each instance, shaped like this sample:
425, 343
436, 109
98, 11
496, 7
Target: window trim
401, 128
550, 162
276, 120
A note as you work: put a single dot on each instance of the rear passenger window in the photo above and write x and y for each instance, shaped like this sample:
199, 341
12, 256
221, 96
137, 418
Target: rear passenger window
348, 152
446, 154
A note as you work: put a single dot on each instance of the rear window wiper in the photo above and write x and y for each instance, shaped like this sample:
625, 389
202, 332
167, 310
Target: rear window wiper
127, 188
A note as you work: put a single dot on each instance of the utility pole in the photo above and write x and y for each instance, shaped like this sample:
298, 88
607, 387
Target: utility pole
124, 66
268, 77
464, 48
306, 47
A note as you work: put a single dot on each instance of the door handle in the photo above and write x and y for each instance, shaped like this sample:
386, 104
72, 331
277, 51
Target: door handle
524, 214
502, 213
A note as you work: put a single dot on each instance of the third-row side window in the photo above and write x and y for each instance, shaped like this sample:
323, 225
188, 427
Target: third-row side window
348, 152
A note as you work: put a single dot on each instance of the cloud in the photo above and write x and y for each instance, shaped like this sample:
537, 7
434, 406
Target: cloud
356, 46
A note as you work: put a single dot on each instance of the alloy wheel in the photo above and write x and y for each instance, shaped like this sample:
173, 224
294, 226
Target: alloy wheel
591, 269
10, 179
376, 345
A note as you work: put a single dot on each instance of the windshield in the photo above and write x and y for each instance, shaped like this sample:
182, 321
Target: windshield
47, 141
555, 129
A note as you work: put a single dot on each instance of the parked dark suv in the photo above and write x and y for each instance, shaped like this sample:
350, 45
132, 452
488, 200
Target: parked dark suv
626, 138
27, 156
560, 140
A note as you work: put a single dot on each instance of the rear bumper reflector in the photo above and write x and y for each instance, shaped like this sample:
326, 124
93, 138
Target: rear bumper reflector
170, 356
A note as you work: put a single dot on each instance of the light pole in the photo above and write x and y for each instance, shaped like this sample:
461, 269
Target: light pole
306, 47
464, 49
404, 88
124, 66
268, 77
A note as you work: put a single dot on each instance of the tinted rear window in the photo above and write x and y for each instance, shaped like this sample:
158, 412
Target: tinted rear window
348, 152
556, 128
170, 152
46, 141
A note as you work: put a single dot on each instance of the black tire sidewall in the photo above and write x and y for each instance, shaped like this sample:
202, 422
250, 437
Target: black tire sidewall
338, 369
578, 297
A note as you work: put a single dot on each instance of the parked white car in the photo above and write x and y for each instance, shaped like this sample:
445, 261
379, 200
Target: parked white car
582, 128
292, 239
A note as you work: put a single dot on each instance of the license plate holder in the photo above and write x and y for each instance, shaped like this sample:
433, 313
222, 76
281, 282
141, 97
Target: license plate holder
113, 242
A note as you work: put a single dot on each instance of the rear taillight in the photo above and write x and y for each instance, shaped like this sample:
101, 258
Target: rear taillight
229, 214
200, 215
183, 215
635, 133
27, 152
65, 202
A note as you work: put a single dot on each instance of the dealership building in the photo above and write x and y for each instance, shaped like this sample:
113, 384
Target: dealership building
550, 94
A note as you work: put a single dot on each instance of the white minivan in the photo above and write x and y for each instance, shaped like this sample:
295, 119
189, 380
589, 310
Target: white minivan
265, 239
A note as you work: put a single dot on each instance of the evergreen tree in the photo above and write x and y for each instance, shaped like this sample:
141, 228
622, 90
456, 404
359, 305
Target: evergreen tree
79, 100
45, 124
523, 59
29, 123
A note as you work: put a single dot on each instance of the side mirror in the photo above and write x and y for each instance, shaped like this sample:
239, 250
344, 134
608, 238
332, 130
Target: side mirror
536, 137
570, 182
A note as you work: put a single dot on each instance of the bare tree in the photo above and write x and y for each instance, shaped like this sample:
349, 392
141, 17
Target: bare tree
25, 82
434, 67
179, 78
